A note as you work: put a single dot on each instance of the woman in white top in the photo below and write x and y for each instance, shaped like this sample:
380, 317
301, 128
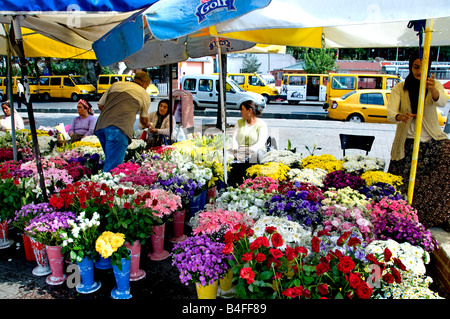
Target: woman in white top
5, 122
250, 132
249, 141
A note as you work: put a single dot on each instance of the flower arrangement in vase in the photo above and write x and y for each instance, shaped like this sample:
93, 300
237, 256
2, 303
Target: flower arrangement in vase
162, 204
216, 222
199, 259
79, 239
111, 245
47, 227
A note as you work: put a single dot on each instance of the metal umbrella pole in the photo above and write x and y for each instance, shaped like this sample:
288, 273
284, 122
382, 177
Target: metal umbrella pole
223, 111
10, 92
16, 40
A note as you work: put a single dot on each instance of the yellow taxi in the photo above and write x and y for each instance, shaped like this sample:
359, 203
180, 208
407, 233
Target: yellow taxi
365, 106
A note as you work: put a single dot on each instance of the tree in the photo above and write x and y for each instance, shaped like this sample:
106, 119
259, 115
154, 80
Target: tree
250, 64
319, 61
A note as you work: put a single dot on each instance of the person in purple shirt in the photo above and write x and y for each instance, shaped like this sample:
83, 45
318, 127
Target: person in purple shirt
84, 124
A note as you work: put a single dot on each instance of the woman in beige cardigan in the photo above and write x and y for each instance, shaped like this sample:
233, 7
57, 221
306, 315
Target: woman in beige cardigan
432, 184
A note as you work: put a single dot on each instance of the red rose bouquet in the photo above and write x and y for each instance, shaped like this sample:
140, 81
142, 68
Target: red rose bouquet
262, 270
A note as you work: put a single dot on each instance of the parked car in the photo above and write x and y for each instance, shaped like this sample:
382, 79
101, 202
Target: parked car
205, 93
365, 106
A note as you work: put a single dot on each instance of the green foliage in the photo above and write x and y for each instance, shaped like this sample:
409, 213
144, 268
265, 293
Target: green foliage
250, 64
319, 61
12, 197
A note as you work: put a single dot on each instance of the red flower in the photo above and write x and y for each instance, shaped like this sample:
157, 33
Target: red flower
126, 205
346, 264
291, 253
363, 291
120, 192
353, 280
323, 232
247, 274
399, 263
228, 249
397, 276
322, 268
306, 293
323, 289
342, 239
301, 250
387, 255
388, 278
270, 229
289, 292
260, 257
247, 257
354, 242
277, 240
276, 253
315, 244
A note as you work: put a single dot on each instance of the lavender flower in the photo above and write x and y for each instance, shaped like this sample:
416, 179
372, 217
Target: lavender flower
46, 228
404, 230
199, 259
295, 207
27, 212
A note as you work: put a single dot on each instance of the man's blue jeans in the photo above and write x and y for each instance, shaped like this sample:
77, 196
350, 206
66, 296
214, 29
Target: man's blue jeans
114, 143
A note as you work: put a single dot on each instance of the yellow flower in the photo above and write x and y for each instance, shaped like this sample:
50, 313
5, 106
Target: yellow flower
117, 240
372, 177
108, 242
326, 162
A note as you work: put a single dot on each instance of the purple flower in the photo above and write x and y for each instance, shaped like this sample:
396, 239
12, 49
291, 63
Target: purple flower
199, 259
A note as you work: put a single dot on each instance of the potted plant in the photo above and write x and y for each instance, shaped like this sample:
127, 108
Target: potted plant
129, 217
22, 219
200, 261
162, 204
46, 228
79, 245
111, 245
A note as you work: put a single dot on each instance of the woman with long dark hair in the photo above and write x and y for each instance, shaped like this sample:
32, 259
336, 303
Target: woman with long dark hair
432, 181
159, 130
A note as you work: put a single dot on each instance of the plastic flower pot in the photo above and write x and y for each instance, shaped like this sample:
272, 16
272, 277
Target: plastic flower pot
4, 241
56, 262
178, 226
208, 291
135, 272
225, 285
103, 263
40, 254
29, 254
122, 277
88, 284
157, 239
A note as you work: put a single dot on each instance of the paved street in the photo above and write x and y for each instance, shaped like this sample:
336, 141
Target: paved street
303, 125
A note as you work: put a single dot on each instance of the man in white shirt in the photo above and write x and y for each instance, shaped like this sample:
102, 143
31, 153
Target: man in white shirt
20, 93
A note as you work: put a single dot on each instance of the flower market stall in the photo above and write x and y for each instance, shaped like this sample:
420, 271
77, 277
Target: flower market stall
297, 227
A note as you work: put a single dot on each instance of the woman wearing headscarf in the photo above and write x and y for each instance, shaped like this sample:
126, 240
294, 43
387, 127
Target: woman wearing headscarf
84, 124
159, 130
432, 181
5, 121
